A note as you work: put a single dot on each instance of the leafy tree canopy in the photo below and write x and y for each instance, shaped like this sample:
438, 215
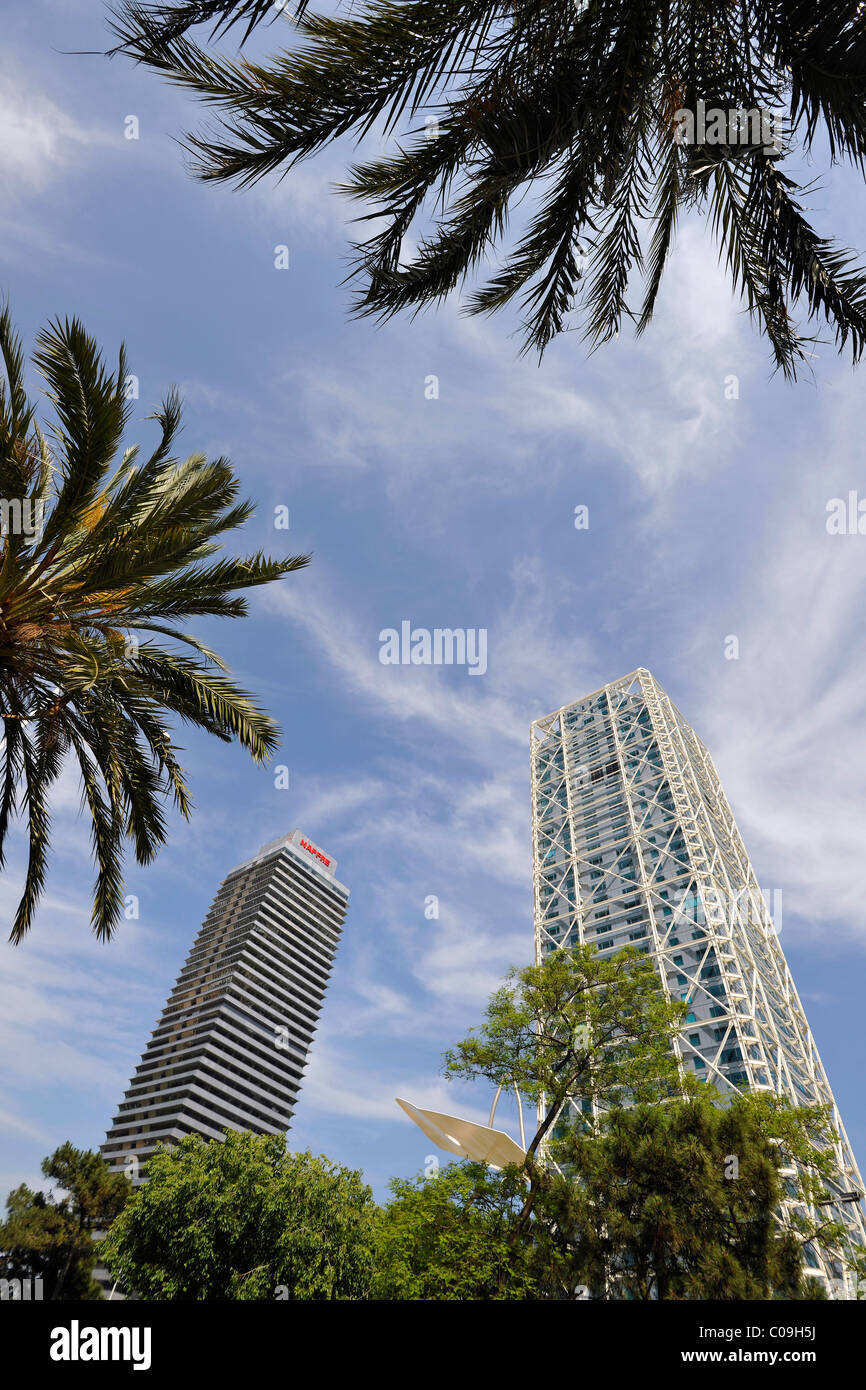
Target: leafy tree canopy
51, 1238
244, 1219
683, 1200
674, 1200
576, 1032
640, 1181
449, 1237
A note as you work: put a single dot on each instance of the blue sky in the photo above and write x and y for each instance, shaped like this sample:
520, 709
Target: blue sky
707, 520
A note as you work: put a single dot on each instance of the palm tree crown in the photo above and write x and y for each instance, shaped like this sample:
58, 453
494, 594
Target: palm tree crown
101, 557
592, 107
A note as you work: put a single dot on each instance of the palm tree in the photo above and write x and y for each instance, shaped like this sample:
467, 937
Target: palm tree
591, 107
101, 556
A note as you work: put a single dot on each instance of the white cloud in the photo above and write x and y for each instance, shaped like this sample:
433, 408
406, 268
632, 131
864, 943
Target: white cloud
477, 714
334, 1084
786, 722
13, 1124
38, 138
652, 411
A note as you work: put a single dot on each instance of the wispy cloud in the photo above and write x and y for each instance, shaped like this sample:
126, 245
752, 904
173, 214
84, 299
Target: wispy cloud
38, 138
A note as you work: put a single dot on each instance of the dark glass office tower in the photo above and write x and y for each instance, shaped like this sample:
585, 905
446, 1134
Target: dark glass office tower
231, 1045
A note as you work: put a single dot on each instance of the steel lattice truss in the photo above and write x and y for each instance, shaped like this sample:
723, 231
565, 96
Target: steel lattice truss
634, 843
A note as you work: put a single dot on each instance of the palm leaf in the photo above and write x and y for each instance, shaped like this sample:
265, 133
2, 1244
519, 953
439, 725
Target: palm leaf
576, 98
128, 550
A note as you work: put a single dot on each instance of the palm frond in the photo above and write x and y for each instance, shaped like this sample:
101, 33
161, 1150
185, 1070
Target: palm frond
207, 699
583, 99
172, 21
128, 550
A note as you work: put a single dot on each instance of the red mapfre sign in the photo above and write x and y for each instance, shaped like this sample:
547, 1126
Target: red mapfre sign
311, 849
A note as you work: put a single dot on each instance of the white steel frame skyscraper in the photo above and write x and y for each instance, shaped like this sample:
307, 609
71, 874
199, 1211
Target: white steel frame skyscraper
634, 843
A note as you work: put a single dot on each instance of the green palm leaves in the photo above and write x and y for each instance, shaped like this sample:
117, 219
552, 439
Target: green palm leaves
103, 559
569, 110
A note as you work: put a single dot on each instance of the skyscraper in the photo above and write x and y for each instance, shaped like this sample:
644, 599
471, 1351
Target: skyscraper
634, 843
230, 1047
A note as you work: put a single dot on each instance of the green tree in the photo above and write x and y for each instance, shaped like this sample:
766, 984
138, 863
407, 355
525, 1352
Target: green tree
678, 1200
450, 1237
578, 1031
51, 1239
593, 109
576, 1034
101, 555
649, 1184
682, 1200
244, 1219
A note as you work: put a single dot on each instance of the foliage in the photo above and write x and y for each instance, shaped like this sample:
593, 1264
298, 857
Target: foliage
576, 105
678, 1200
580, 1029
244, 1219
681, 1200
647, 1204
52, 1240
575, 1033
102, 554
448, 1237
650, 1184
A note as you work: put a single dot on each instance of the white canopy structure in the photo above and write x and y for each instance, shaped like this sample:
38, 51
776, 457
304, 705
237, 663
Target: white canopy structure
479, 1142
